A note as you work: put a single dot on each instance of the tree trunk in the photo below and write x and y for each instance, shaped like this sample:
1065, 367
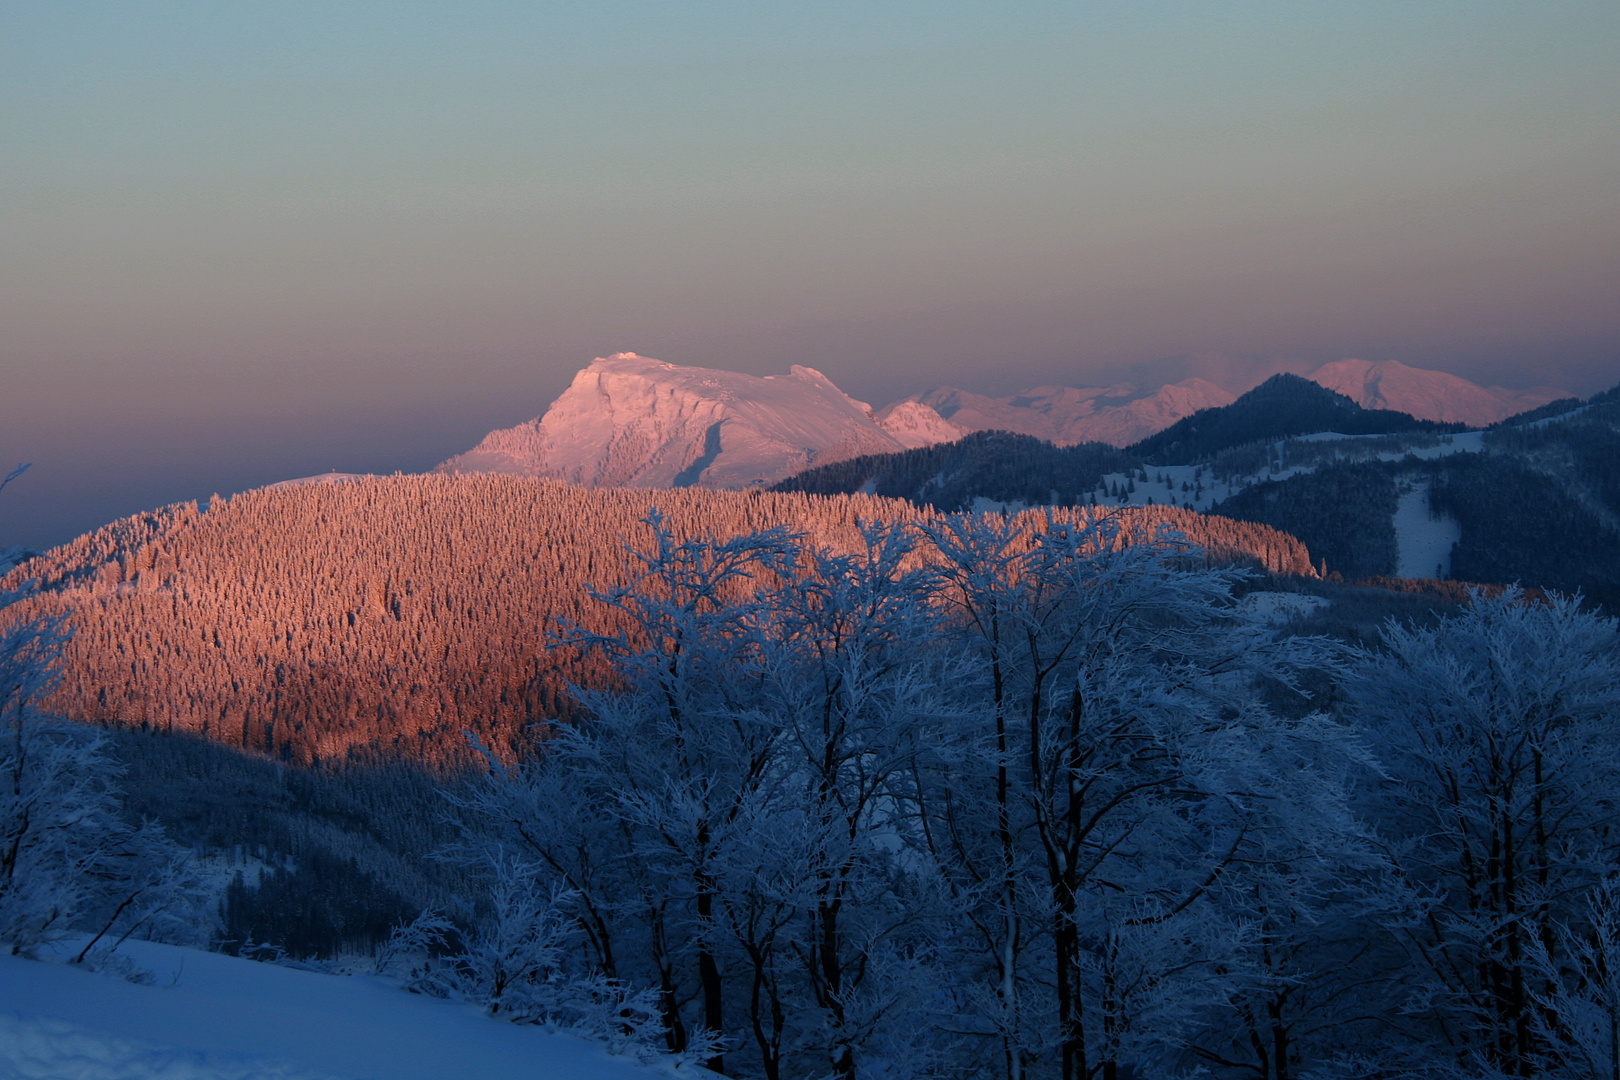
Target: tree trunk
832, 978
1066, 934
1009, 886
709, 977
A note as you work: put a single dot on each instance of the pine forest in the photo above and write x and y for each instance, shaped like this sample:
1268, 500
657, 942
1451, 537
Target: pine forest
394, 615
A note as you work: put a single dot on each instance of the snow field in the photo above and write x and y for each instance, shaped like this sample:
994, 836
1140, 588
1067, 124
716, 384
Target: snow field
207, 1016
1422, 540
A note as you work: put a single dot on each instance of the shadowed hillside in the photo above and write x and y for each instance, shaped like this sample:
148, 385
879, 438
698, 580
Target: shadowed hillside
393, 614
1343, 513
997, 465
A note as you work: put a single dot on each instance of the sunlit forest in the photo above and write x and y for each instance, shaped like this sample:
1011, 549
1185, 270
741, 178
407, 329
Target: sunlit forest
394, 615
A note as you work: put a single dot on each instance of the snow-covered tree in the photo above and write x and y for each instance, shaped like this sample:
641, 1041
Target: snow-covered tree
68, 861
861, 692
1303, 970
1497, 726
1577, 1001
971, 797
1130, 756
635, 804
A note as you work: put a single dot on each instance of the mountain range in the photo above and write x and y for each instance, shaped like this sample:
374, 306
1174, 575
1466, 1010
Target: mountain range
1281, 407
632, 421
1372, 493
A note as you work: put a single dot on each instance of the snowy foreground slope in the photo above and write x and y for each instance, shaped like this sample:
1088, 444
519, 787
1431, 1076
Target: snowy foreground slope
215, 1017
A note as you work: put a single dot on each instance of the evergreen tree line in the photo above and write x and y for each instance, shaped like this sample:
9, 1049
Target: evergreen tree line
386, 616
1342, 513
1520, 523
1541, 507
1051, 805
1543, 504
996, 465
315, 862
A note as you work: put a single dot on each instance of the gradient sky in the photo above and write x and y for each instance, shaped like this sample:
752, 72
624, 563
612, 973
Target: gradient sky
240, 243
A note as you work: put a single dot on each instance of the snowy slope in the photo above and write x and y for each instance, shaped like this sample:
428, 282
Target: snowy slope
631, 421
1427, 395
211, 1017
914, 424
1067, 415
1423, 539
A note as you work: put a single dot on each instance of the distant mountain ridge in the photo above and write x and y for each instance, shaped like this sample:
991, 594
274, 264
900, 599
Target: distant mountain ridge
1535, 500
1123, 414
1280, 407
1010, 468
998, 466
1427, 395
632, 421
1067, 415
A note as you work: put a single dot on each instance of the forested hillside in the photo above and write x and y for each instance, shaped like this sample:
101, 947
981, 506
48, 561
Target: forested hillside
1523, 524
394, 614
315, 862
1342, 513
1535, 500
1282, 406
996, 465
1539, 506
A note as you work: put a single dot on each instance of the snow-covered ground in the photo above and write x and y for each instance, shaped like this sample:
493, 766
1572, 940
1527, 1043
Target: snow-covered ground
1165, 483
211, 1017
1423, 540
1279, 608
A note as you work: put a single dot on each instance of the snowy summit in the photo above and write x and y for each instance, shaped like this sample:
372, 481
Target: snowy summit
632, 421
1427, 395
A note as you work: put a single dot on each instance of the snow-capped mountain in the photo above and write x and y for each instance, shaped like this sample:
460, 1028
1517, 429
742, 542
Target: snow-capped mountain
632, 421
1063, 415
1427, 395
917, 425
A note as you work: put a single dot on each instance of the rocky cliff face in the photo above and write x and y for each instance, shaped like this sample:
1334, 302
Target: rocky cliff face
631, 421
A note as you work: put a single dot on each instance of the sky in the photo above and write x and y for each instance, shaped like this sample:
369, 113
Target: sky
242, 243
